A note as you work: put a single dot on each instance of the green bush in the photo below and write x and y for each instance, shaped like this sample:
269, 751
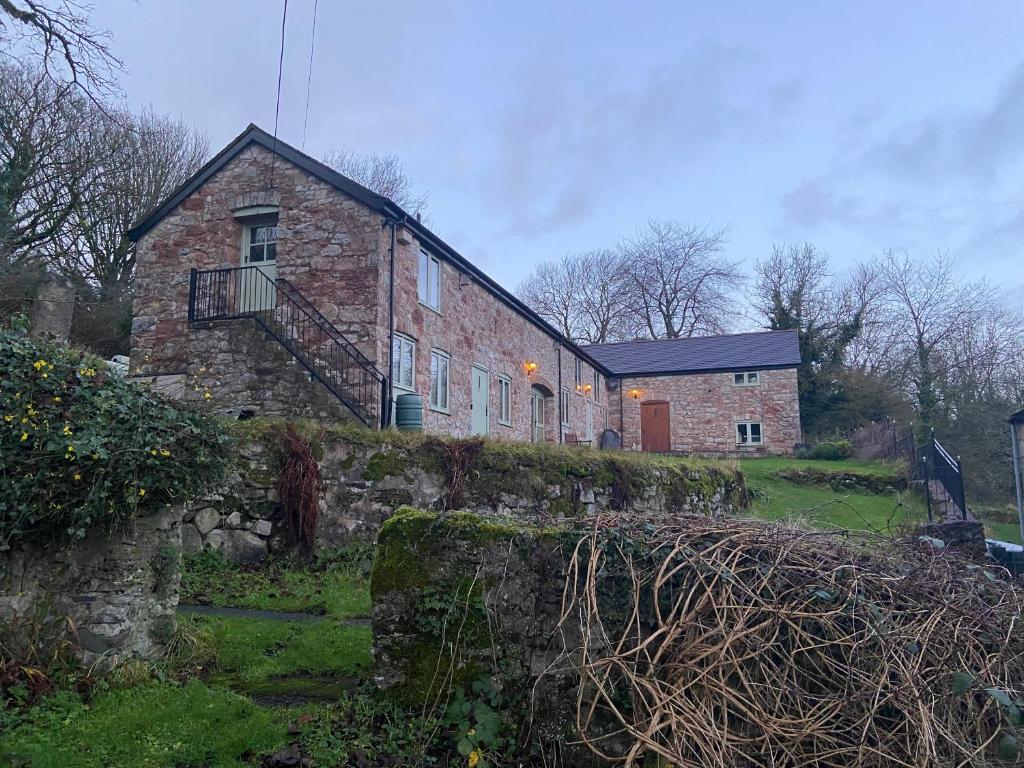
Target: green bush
82, 448
831, 450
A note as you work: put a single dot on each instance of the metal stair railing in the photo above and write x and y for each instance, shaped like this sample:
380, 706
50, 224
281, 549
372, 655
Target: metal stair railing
949, 473
283, 313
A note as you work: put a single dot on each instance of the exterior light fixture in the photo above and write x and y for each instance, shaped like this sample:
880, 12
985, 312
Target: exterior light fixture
587, 387
635, 393
529, 367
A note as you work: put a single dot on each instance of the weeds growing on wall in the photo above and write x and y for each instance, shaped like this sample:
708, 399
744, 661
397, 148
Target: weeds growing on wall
37, 654
298, 488
457, 457
82, 448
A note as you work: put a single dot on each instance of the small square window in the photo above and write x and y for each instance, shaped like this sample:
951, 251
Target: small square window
745, 379
260, 243
748, 433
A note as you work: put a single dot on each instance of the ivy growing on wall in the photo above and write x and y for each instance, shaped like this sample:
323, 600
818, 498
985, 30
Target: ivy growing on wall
81, 448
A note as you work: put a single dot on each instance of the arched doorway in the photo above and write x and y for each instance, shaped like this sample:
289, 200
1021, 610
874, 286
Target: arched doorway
541, 412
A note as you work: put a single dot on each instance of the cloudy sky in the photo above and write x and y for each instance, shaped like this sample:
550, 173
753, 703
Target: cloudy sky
543, 128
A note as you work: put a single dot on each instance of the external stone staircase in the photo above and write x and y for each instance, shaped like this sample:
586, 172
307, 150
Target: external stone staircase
944, 509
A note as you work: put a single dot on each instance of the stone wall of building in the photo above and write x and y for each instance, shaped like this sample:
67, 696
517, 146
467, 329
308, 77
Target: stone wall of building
120, 588
475, 328
329, 246
704, 409
367, 475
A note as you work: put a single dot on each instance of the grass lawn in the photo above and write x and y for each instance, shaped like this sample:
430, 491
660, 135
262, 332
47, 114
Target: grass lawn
775, 498
337, 589
153, 725
259, 650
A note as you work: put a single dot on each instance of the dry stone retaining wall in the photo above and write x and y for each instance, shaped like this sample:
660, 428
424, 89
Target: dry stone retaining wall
367, 475
120, 588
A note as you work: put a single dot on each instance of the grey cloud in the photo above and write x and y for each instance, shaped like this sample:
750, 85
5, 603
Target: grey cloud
565, 138
975, 145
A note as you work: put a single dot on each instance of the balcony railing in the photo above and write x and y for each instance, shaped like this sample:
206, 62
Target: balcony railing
283, 313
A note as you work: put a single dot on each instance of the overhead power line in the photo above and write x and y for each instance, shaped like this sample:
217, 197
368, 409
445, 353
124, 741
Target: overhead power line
309, 75
277, 105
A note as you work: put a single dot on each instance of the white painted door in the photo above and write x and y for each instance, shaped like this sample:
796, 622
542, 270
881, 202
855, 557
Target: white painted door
259, 252
590, 422
479, 403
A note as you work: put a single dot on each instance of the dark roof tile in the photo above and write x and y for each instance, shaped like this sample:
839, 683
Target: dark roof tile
739, 351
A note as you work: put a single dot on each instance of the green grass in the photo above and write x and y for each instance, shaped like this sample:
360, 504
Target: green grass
250, 651
1002, 531
149, 726
778, 499
337, 589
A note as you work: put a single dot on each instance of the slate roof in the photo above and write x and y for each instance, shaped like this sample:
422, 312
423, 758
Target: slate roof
389, 209
700, 354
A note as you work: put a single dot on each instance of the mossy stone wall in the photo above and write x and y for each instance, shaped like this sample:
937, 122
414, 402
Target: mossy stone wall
120, 588
368, 474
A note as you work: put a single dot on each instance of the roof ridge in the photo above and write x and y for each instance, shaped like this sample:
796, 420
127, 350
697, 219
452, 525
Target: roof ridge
690, 338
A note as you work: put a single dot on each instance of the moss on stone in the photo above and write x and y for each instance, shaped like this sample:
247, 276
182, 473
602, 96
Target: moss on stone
385, 464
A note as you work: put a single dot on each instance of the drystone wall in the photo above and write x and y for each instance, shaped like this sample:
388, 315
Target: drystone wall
366, 475
119, 588
460, 597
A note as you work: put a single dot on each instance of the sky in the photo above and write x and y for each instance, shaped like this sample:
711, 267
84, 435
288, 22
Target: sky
540, 128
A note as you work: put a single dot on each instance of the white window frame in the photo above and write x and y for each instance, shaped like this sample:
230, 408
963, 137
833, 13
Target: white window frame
428, 281
746, 378
247, 243
750, 440
440, 356
505, 400
579, 375
566, 403
597, 387
400, 340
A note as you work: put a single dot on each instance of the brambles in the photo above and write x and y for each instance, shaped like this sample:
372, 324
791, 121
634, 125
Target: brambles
736, 642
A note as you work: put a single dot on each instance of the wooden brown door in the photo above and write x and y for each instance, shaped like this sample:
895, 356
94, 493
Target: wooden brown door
654, 426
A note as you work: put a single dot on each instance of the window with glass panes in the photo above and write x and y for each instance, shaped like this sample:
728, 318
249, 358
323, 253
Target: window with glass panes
404, 362
439, 380
748, 433
504, 400
261, 243
429, 281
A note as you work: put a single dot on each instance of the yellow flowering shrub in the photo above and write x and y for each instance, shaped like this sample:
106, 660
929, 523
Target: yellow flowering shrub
81, 447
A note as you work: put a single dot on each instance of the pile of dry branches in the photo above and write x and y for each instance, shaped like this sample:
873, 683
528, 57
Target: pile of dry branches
717, 642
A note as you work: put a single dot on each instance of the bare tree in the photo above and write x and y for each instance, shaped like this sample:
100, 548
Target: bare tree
680, 283
44, 159
794, 289
384, 174
927, 308
583, 295
66, 46
135, 162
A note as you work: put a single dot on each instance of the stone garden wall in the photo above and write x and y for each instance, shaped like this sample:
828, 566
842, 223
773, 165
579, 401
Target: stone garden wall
119, 588
367, 475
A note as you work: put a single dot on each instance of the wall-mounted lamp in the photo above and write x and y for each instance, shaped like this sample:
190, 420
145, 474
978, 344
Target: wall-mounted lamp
635, 393
529, 367
587, 387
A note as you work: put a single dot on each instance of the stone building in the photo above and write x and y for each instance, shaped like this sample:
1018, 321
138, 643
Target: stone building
278, 286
